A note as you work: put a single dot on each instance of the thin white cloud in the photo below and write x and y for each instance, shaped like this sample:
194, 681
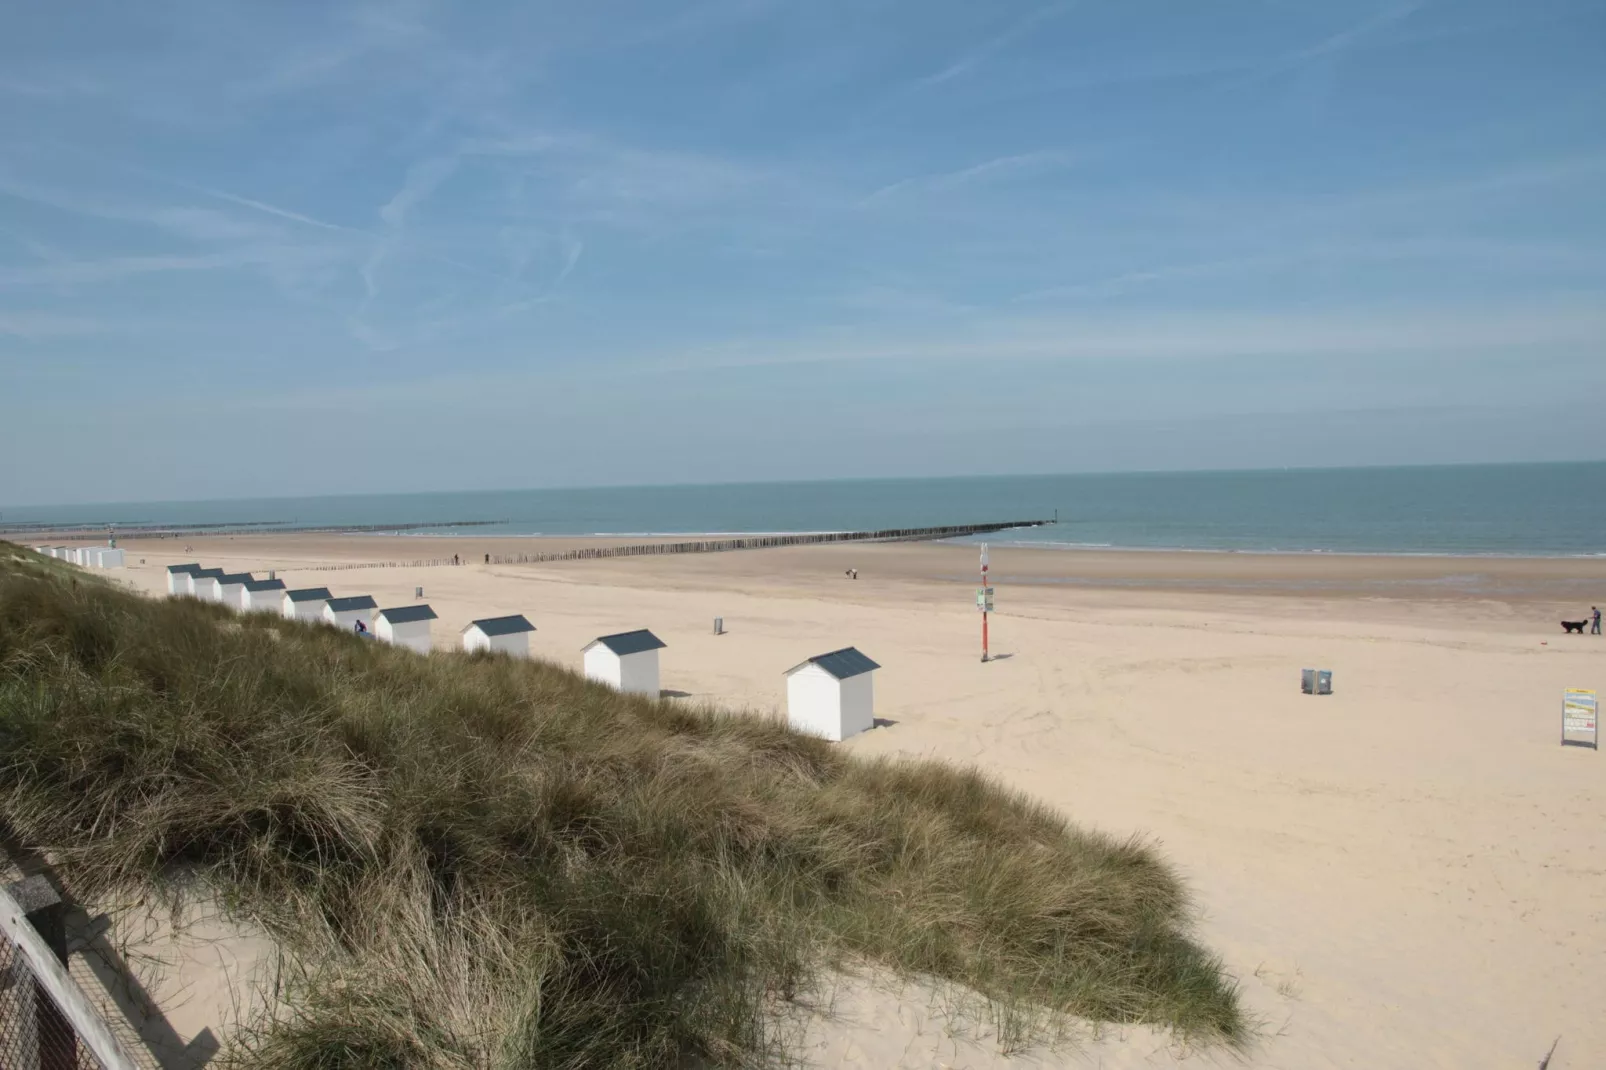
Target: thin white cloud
206, 225
1353, 35
112, 268
978, 56
570, 260
182, 220
999, 168
354, 35
423, 178
270, 209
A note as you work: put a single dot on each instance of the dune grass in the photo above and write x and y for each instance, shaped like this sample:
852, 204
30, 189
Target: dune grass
483, 862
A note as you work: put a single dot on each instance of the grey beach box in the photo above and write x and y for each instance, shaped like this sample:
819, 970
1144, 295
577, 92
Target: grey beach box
1316, 681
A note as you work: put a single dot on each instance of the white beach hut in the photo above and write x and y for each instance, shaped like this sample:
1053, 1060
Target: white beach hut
304, 604
200, 582
48, 551
62, 553
261, 596
507, 635
831, 695
405, 626
109, 557
626, 662
227, 588
344, 613
178, 578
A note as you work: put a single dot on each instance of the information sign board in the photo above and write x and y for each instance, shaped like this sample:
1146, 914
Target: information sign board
1580, 724
984, 599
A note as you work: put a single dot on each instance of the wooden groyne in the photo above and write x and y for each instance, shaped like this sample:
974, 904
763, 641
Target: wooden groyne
701, 546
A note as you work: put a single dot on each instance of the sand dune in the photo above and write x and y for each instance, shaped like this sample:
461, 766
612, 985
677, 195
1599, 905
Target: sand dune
1410, 872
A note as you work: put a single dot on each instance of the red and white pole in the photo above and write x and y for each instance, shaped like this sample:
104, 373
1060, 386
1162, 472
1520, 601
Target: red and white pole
984, 602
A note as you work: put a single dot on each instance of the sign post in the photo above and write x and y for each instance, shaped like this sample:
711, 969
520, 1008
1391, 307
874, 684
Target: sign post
984, 601
1579, 710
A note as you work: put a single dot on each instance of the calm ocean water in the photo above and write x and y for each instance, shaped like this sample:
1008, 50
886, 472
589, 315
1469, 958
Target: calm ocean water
1537, 509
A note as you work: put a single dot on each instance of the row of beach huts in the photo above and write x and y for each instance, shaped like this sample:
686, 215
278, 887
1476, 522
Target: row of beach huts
87, 556
829, 695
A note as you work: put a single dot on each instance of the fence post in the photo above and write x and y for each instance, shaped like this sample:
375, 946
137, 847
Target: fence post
58, 1046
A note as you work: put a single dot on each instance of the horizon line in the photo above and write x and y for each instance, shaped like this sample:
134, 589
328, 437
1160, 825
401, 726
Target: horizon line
1259, 470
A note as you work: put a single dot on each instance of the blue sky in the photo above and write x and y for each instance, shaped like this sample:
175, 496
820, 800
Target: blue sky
298, 248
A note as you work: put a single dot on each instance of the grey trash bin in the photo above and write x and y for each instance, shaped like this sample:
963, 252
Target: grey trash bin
1316, 681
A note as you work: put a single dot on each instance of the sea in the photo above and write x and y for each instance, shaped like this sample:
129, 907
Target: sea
1514, 509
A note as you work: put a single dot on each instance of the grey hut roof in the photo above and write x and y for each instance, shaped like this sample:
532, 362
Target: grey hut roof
842, 664
406, 614
264, 585
512, 625
359, 601
236, 577
184, 568
308, 594
629, 642
207, 573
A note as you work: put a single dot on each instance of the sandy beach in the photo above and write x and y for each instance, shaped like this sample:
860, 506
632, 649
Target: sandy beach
1409, 872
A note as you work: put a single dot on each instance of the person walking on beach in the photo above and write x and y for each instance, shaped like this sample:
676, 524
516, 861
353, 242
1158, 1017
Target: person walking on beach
1594, 620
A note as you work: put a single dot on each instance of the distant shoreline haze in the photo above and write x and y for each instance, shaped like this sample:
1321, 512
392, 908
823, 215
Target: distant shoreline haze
1554, 509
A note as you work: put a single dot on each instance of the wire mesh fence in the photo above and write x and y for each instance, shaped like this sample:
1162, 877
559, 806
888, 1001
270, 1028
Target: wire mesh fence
46, 1020
34, 1033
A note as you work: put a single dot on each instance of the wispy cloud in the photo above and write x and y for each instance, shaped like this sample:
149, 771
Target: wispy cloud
973, 59
273, 210
1353, 35
423, 178
571, 260
1335, 44
1000, 168
183, 220
206, 225
353, 34
112, 268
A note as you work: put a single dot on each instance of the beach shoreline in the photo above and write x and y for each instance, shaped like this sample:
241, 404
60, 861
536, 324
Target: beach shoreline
1538, 579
